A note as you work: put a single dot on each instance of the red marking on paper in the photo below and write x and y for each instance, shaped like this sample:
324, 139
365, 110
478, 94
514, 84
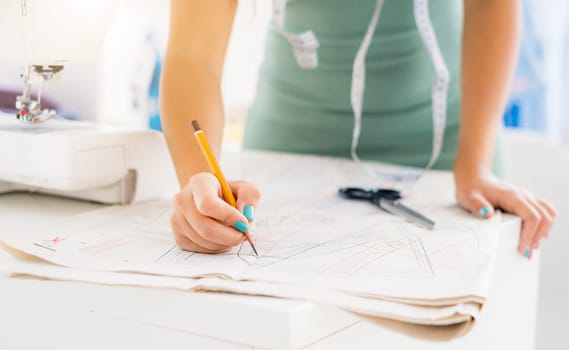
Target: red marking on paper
56, 240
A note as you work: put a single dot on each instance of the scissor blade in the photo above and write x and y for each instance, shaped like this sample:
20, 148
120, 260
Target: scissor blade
399, 209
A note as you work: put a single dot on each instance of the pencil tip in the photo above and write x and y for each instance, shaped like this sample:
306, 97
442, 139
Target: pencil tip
254, 249
195, 125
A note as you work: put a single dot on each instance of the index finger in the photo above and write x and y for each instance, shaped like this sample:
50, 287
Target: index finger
246, 193
513, 202
209, 203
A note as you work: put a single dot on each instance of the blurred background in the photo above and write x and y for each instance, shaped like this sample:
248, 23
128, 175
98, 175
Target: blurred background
119, 85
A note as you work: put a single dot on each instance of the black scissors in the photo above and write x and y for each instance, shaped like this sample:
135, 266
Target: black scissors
388, 200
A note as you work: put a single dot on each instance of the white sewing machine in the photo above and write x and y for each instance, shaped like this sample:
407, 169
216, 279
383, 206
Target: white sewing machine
39, 152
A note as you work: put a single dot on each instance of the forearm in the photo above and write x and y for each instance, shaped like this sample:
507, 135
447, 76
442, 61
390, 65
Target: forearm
489, 49
191, 79
190, 91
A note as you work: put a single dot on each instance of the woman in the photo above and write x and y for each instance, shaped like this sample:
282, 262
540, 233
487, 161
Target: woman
312, 99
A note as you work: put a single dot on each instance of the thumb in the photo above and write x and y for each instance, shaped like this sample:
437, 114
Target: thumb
478, 205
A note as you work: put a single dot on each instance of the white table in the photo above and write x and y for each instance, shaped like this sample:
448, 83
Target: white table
69, 315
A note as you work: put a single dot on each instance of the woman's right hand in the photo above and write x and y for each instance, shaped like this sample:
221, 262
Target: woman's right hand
203, 222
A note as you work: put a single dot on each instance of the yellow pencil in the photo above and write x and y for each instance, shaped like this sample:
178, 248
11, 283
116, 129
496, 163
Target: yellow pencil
216, 170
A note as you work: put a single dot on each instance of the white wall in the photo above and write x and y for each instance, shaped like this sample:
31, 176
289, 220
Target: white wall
245, 55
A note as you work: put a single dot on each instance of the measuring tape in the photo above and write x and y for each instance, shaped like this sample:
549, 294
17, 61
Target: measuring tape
305, 46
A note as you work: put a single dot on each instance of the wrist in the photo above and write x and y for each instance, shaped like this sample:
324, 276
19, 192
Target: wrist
465, 169
473, 158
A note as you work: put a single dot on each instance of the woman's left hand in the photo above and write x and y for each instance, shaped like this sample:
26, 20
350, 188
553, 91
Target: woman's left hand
482, 193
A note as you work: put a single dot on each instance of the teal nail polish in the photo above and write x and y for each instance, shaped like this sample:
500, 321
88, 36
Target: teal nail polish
241, 226
249, 212
526, 253
483, 212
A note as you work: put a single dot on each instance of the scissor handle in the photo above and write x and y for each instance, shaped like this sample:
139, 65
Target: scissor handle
387, 194
370, 195
355, 193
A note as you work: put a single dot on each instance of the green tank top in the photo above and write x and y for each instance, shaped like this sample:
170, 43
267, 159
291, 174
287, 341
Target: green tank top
309, 111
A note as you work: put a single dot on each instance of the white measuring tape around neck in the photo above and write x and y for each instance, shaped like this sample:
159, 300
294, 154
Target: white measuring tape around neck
305, 46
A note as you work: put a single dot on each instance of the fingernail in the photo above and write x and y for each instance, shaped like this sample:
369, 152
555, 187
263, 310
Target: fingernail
483, 212
241, 226
527, 252
249, 212
530, 254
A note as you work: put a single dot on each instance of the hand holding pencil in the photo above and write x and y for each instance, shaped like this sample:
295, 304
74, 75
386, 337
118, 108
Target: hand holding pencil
210, 214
